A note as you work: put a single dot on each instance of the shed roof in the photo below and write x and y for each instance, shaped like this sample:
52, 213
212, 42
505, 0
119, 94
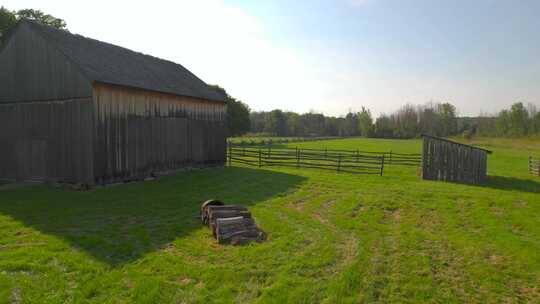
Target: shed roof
457, 143
103, 62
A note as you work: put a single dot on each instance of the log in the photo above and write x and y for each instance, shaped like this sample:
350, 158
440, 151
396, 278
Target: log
227, 214
205, 206
230, 223
220, 215
226, 207
235, 221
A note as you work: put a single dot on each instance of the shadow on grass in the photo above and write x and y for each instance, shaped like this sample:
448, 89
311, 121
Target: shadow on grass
513, 184
120, 224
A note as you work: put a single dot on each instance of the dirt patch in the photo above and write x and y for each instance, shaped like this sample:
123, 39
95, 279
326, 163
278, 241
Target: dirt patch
320, 218
529, 294
520, 203
391, 215
350, 250
184, 281
496, 259
299, 204
328, 203
357, 210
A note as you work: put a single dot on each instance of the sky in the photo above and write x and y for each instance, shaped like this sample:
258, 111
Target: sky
332, 56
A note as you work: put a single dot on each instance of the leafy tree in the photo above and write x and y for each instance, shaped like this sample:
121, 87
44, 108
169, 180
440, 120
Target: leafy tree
384, 127
503, 122
41, 17
448, 116
365, 123
429, 120
351, 124
518, 119
295, 124
8, 20
238, 118
277, 123
535, 123
406, 122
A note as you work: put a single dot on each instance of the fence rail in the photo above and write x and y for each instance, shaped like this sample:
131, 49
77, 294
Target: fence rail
391, 158
344, 161
534, 165
350, 161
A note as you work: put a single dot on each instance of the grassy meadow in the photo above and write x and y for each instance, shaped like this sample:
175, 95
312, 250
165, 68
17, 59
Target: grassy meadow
333, 237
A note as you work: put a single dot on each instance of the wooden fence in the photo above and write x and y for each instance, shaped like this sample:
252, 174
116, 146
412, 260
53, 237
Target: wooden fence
349, 161
534, 166
403, 159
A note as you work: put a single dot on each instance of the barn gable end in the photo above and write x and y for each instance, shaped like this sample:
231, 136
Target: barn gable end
34, 70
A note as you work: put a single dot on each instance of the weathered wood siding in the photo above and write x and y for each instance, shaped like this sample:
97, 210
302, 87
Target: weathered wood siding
138, 132
32, 69
47, 141
452, 162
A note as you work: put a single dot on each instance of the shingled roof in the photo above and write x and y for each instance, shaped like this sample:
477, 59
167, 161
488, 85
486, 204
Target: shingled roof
107, 63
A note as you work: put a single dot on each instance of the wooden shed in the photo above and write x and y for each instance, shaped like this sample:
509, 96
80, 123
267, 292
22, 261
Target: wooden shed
450, 161
77, 110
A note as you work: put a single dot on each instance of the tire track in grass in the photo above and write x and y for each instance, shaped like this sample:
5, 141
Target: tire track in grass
339, 246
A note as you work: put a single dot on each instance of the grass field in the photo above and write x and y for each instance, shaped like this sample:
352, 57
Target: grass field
333, 238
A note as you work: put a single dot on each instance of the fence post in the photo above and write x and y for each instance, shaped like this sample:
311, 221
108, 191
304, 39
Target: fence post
230, 155
297, 158
538, 160
390, 157
325, 152
260, 163
382, 164
339, 163
357, 152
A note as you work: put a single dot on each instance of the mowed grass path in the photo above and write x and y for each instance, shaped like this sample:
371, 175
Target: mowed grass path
333, 238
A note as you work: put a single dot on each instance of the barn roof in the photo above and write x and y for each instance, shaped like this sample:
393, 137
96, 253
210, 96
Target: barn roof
456, 143
103, 62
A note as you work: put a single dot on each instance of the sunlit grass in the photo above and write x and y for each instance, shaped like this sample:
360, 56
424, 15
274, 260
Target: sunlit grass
333, 238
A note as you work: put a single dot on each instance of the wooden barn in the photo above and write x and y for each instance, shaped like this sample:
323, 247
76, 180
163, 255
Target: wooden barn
77, 110
450, 161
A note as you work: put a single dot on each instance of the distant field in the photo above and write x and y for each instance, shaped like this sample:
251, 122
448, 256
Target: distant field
265, 140
333, 237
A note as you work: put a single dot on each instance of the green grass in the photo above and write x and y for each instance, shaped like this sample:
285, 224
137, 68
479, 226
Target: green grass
333, 238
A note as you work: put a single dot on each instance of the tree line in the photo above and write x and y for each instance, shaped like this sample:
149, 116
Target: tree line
409, 121
516, 121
